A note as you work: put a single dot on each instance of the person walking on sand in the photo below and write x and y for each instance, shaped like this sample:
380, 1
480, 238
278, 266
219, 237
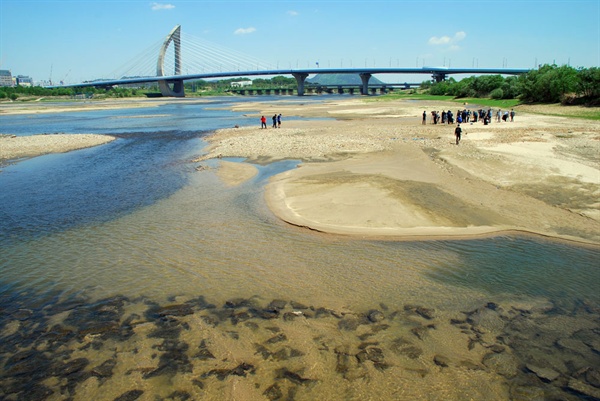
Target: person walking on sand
274, 120
457, 132
512, 115
424, 117
279, 120
263, 122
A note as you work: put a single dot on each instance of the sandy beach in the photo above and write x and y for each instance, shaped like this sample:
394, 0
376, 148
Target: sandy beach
372, 169
19, 147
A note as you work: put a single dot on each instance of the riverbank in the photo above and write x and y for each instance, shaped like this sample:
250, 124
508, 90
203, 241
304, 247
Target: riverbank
373, 170
19, 147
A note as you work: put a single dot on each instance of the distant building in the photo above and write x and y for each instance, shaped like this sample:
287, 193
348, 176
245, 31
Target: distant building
240, 84
6, 78
23, 80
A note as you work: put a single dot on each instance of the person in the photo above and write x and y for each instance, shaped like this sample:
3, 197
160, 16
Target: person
263, 122
424, 117
457, 132
512, 115
274, 120
279, 120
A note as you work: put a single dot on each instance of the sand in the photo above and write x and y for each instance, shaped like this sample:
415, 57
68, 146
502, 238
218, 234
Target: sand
373, 170
19, 147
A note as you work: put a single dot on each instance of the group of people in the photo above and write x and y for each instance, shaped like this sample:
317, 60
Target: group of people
276, 121
469, 116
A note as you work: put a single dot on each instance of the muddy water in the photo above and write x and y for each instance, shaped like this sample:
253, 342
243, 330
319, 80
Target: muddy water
199, 292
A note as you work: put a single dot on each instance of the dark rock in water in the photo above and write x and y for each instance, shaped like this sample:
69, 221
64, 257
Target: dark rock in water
173, 361
349, 324
289, 316
238, 303
200, 303
241, 369
277, 339
381, 366
298, 305
344, 362
70, 367
583, 388
427, 313
262, 350
441, 360
273, 392
372, 354
592, 376
105, 369
22, 314
419, 331
278, 304
497, 348
504, 364
267, 313
293, 377
527, 393
411, 352
222, 374
204, 354
174, 310
492, 306
376, 328
286, 353
375, 316
179, 395
251, 325
240, 317
422, 311
130, 395
35, 392
546, 374
366, 344
33, 364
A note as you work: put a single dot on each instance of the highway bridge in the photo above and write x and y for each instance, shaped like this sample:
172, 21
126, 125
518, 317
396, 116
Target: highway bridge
172, 85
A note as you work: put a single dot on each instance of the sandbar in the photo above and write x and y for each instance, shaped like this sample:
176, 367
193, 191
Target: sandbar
374, 170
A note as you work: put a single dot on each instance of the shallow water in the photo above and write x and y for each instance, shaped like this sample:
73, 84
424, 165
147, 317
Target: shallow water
124, 268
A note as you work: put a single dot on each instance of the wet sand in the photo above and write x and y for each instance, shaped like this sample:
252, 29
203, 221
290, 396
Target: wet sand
374, 170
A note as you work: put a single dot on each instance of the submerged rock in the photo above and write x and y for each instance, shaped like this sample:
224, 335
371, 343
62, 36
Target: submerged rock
545, 374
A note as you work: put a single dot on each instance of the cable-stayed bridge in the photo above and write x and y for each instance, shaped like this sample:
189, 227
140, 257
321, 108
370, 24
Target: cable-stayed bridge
162, 63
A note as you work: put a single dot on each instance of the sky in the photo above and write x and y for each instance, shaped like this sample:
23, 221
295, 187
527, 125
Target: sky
77, 40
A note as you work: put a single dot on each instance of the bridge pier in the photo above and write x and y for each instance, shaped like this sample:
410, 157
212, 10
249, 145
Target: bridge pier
364, 77
438, 76
300, 78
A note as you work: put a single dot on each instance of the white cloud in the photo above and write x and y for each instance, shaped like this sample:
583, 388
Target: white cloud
446, 40
162, 6
244, 31
292, 13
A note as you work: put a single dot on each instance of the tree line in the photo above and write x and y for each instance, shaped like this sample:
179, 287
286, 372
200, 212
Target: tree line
547, 84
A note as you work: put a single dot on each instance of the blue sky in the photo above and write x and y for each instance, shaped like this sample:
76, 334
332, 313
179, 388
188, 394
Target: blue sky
79, 40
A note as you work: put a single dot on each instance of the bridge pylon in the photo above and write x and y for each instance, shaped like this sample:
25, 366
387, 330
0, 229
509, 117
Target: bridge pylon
178, 88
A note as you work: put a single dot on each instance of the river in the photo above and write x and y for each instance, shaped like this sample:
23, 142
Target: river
123, 267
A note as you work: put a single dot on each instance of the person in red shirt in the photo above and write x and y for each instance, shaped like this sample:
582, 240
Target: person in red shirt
263, 122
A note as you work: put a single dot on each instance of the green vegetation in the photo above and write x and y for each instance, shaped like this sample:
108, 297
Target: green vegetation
548, 84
